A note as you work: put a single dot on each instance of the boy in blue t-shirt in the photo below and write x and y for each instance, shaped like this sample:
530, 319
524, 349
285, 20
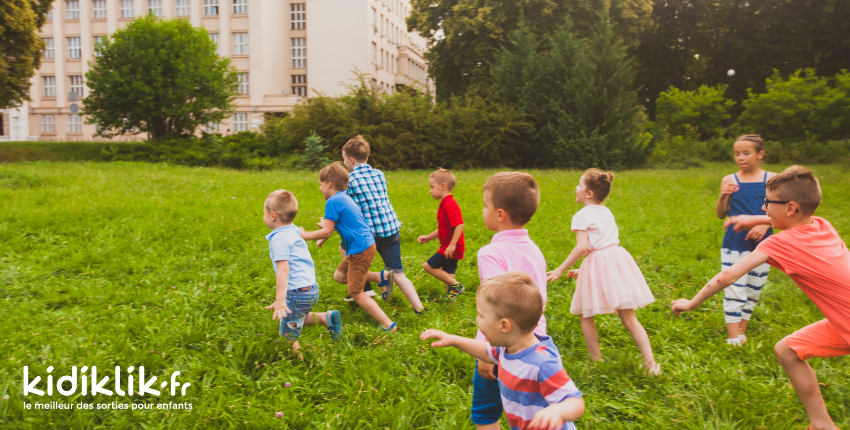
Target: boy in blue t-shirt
344, 216
295, 273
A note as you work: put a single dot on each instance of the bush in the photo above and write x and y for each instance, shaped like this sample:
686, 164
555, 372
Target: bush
705, 110
312, 158
687, 150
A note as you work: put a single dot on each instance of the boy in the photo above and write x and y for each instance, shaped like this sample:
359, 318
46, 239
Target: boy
368, 188
443, 264
295, 273
810, 251
510, 200
343, 215
532, 375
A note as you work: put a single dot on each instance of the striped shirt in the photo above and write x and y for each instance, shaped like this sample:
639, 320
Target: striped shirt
368, 188
531, 380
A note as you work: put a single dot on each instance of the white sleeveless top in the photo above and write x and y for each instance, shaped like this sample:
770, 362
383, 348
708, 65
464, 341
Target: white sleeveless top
598, 222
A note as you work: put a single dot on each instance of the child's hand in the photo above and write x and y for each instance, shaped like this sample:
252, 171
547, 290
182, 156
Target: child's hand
449, 251
444, 339
321, 222
547, 419
423, 239
681, 305
555, 274
280, 309
728, 189
320, 242
757, 233
572, 273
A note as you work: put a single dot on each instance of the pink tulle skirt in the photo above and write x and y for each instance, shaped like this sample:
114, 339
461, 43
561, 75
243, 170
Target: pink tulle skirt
609, 279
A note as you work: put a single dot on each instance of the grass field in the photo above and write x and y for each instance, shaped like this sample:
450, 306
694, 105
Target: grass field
11, 152
167, 267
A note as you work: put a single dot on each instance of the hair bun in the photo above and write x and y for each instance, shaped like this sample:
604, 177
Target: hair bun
608, 176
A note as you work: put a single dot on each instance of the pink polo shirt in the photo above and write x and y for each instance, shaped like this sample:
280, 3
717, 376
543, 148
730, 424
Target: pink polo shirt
514, 250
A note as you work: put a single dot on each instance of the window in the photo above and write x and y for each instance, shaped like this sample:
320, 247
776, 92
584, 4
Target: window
374, 53
182, 8
240, 122
47, 52
212, 127
381, 64
240, 7
297, 16
72, 9
392, 63
374, 21
74, 50
211, 8
127, 9
48, 124
76, 84
50, 15
382, 25
243, 83
98, 40
155, 7
240, 43
99, 9
299, 85
75, 124
49, 86
215, 39
299, 52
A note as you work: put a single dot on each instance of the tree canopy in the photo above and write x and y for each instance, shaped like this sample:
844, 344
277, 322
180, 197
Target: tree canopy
20, 47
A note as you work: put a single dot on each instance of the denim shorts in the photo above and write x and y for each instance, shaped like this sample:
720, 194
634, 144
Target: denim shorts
300, 303
486, 399
390, 249
439, 261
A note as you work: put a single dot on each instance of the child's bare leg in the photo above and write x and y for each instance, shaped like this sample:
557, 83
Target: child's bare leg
733, 330
591, 338
491, 426
371, 307
627, 316
440, 274
742, 326
314, 318
805, 383
340, 277
296, 349
409, 291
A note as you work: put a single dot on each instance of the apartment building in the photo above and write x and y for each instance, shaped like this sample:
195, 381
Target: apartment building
285, 51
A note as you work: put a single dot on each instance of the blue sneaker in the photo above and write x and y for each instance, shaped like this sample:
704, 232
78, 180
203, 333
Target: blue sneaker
334, 325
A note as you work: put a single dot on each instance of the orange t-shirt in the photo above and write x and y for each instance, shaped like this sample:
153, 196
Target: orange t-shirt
815, 257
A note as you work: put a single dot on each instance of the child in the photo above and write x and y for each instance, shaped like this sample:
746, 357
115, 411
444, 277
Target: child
510, 200
443, 264
295, 274
609, 279
343, 215
536, 392
743, 194
810, 251
368, 188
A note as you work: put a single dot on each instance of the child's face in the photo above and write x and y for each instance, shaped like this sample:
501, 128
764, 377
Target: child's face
347, 161
490, 324
583, 195
491, 214
437, 190
327, 189
746, 156
269, 218
780, 214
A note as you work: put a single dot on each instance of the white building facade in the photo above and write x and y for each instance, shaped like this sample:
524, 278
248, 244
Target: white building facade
285, 51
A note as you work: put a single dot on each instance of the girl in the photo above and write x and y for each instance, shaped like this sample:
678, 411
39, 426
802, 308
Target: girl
609, 279
743, 193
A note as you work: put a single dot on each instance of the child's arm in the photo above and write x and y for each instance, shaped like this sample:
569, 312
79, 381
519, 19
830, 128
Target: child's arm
325, 232
455, 237
721, 281
554, 416
579, 251
746, 222
475, 348
727, 187
281, 282
427, 238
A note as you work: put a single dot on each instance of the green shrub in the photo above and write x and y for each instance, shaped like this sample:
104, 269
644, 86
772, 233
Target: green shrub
706, 110
313, 158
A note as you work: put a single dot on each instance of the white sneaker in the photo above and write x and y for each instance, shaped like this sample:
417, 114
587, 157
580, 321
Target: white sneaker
370, 293
734, 341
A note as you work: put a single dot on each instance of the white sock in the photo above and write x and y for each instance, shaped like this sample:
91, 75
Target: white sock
734, 341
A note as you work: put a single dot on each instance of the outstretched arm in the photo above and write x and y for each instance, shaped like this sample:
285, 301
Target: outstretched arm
746, 222
579, 251
475, 348
325, 232
553, 417
721, 281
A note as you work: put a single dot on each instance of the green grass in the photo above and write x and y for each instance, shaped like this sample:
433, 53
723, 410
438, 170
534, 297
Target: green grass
121, 264
11, 152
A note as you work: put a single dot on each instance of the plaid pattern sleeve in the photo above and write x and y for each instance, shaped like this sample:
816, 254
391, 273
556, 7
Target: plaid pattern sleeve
368, 188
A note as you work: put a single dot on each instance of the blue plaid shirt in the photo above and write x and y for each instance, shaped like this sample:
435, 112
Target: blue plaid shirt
368, 188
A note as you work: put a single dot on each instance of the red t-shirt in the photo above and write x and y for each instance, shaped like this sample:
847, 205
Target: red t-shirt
815, 257
449, 217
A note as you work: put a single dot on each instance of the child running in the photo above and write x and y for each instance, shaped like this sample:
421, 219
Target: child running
743, 194
810, 251
443, 264
536, 392
295, 274
609, 279
343, 215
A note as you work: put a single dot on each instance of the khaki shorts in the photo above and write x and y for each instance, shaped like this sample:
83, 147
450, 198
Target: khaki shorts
817, 340
356, 266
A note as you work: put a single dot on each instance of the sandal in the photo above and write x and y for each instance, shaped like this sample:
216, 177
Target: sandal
387, 283
390, 329
334, 325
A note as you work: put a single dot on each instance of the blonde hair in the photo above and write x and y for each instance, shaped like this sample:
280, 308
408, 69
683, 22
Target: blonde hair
283, 203
358, 148
443, 176
599, 183
515, 296
336, 174
516, 193
799, 185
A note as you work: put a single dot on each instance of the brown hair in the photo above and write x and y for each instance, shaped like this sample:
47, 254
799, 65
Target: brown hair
358, 148
337, 174
283, 203
516, 193
756, 139
799, 185
515, 296
599, 183
443, 176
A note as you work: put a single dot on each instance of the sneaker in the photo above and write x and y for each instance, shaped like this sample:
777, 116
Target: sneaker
367, 290
734, 341
334, 325
454, 291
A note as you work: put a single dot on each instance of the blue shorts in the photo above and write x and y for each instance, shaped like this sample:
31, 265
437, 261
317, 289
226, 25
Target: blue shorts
486, 399
300, 303
390, 250
439, 261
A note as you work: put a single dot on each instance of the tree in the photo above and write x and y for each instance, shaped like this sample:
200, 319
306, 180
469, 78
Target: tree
705, 109
161, 77
20, 47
